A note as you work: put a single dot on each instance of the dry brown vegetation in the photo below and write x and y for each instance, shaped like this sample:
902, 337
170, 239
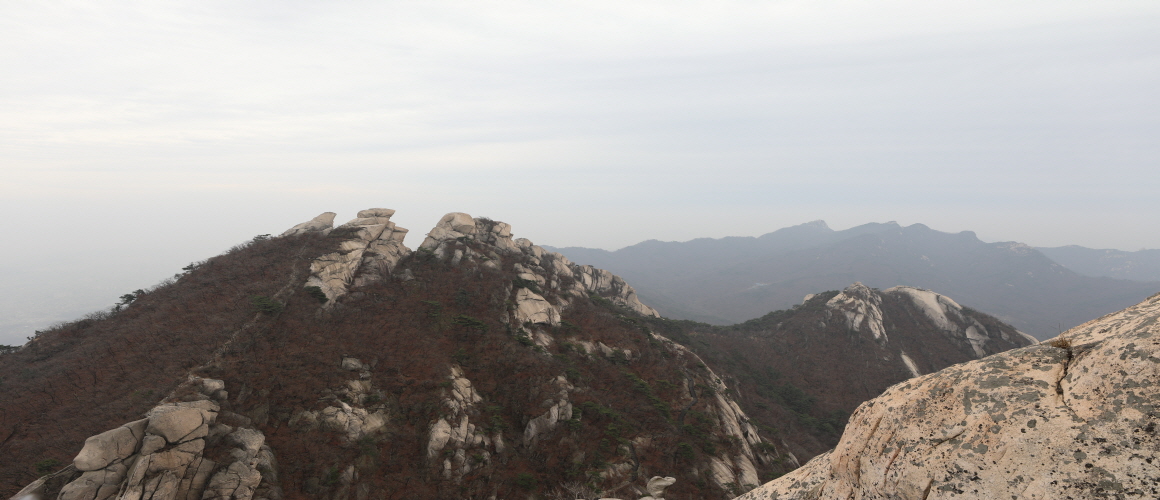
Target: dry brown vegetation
85, 377
245, 317
92, 375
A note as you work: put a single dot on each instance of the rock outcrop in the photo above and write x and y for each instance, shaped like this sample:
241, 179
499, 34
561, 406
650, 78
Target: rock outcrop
1071, 418
950, 317
353, 420
656, 487
560, 410
860, 309
453, 437
543, 270
323, 224
371, 248
478, 366
164, 457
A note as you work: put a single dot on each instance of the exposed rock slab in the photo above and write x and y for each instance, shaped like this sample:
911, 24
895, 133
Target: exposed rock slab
323, 223
182, 421
110, 446
1075, 417
373, 245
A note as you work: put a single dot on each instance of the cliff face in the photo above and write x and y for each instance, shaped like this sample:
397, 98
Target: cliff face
1074, 417
333, 362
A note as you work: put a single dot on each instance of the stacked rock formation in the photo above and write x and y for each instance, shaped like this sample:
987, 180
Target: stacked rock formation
374, 246
1073, 417
163, 456
352, 421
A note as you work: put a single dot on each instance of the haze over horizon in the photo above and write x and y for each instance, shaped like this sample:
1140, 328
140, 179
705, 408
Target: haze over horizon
136, 137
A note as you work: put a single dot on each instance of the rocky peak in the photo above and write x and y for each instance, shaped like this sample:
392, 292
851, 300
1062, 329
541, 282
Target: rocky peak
464, 240
372, 247
1073, 417
861, 307
950, 317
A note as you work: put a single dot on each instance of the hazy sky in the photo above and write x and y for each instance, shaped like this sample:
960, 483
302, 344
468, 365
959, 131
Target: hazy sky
136, 137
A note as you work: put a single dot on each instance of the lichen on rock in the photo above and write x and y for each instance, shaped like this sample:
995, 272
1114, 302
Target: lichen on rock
1074, 417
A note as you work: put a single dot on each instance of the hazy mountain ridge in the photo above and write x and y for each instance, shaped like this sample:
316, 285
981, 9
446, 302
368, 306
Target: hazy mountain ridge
729, 280
1141, 265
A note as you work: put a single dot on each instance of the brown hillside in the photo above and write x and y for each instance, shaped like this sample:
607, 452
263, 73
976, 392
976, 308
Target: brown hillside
637, 404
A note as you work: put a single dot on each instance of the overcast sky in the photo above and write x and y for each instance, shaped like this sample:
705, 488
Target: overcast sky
136, 137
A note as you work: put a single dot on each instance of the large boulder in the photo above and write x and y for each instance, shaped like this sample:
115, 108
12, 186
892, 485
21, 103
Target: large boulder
182, 421
323, 223
110, 446
1074, 417
531, 307
163, 457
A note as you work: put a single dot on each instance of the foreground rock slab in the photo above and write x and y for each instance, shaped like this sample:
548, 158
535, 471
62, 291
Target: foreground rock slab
1071, 418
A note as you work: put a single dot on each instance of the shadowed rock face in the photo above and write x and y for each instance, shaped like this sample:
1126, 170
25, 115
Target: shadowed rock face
1074, 417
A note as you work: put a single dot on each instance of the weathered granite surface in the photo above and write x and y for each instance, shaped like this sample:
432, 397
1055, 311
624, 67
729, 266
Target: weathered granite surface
163, 457
371, 248
1071, 418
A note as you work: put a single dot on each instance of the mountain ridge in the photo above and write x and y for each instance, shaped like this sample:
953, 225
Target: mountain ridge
1141, 265
333, 362
734, 279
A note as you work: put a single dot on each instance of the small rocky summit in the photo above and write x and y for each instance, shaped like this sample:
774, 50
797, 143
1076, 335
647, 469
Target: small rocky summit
546, 269
1071, 418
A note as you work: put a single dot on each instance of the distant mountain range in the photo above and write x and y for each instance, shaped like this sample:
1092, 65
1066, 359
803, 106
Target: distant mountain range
1142, 265
729, 280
